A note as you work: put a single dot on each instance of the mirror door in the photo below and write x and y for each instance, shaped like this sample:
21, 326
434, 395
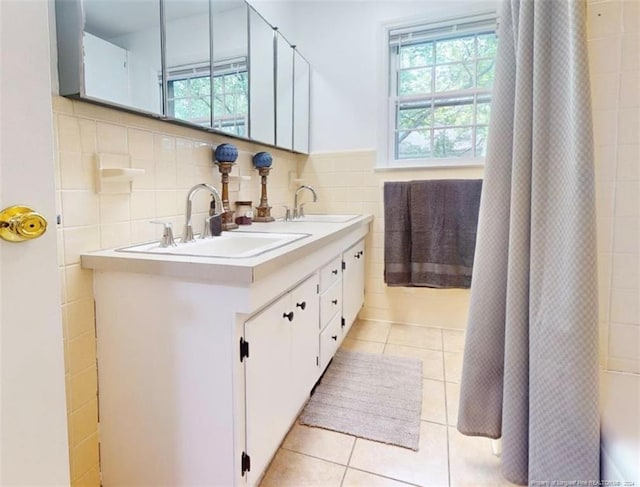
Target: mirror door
284, 93
301, 89
121, 54
261, 80
188, 61
230, 53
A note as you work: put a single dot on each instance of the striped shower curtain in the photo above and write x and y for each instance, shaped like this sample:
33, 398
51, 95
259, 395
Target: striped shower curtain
530, 372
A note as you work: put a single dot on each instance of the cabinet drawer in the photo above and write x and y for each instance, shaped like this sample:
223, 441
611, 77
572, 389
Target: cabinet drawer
330, 273
330, 340
330, 303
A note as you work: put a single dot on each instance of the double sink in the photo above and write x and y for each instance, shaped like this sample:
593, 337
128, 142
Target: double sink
237, 244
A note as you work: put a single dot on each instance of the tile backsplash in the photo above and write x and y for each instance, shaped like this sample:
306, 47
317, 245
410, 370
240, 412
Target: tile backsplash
174, 158
613, 39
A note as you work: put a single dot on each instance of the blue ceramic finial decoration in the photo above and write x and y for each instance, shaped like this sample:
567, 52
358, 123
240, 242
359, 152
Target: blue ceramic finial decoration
262, 159
226, 153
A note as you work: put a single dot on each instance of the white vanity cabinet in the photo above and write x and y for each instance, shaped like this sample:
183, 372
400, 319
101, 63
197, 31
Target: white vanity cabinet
280, 369
204, 364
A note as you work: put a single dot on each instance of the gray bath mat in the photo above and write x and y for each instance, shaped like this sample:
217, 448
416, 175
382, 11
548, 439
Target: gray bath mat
371, 396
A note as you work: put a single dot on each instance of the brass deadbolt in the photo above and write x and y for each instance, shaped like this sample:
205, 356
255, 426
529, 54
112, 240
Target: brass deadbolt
20, 223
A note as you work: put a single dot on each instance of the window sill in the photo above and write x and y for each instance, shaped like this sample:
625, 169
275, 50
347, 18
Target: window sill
433, 164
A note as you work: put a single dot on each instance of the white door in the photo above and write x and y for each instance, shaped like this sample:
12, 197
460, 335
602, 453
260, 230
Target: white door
267, 383
305, 348
33, 424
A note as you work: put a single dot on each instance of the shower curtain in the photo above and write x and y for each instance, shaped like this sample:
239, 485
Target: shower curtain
530, 372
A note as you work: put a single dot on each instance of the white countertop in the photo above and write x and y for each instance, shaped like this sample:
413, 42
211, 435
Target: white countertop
230, 271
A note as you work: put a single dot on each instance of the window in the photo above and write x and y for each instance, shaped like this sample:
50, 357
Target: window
440, 83
189, 95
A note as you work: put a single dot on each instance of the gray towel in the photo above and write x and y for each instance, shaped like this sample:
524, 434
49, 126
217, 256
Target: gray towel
444, 220
397, 234
430, 232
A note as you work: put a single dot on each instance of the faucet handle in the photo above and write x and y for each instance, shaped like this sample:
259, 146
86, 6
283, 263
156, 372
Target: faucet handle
287, 213
167, 234
301, 210
206, 229
210, 230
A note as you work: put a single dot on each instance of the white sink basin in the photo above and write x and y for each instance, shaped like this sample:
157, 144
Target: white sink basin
230, 245
327, 218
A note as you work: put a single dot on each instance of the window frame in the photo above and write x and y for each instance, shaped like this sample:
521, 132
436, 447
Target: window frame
419, 32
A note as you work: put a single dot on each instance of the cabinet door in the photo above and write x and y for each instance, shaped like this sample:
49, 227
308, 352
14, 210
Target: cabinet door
352, 283
137, 85
106, 72
268, 384
304, 340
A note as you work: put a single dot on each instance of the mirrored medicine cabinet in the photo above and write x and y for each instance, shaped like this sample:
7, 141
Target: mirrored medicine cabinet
217, 65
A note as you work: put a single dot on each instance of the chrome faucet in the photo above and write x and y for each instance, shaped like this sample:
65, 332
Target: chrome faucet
298, 212
188, 228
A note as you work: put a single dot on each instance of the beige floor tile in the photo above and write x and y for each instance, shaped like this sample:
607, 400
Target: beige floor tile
416, 336
433, 404
362, 345
291, 469
453, 340
317, 442
452, 366
472, 463
425, 467
453, 399
357, 478
431, 359
372, 331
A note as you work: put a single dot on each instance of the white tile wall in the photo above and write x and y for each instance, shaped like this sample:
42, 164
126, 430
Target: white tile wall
614, 51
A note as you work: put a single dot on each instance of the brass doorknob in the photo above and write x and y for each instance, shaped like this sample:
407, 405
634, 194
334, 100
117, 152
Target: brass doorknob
20, 223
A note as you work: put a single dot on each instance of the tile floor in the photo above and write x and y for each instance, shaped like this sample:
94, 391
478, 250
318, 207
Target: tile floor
316, 457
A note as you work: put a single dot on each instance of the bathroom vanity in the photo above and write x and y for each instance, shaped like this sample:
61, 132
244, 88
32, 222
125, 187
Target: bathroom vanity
205, 362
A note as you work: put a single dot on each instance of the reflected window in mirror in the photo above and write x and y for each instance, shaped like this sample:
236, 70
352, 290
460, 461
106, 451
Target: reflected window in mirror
189, 95
231, 96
